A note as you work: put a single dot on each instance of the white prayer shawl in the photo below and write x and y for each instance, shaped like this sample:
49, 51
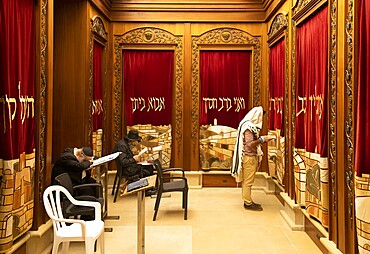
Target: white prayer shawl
253, 122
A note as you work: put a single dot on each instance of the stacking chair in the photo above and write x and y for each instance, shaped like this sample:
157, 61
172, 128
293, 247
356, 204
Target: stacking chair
69, 230
117, 180
176, 183
69, 208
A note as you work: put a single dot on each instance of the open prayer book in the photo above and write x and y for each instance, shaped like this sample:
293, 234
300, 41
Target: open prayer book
105, 159
143, 151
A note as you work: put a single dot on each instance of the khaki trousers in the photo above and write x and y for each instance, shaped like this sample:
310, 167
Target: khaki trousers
249, 168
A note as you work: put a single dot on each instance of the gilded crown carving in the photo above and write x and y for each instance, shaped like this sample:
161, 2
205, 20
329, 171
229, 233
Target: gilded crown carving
279, 23
97, 27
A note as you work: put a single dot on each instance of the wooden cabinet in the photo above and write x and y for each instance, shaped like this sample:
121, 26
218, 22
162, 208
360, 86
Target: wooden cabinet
218, 179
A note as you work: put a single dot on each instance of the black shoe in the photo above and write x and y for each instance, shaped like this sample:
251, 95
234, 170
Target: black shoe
150, 192
253, 207
256, 204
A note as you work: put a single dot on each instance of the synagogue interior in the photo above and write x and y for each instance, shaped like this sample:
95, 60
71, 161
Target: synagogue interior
179, 78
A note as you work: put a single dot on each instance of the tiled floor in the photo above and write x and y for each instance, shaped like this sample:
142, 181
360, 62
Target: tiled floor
217, 224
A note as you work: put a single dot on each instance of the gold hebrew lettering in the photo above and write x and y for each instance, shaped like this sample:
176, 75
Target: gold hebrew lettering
228, 103
222, 101
279, 107
161, 100
142, 101
303, 107
151, 103
213, 104
93, 108
32, 101
205, 104
240, 103
11, 115
134, 104
157, 107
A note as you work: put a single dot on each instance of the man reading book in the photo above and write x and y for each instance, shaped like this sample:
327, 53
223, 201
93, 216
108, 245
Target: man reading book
127, 161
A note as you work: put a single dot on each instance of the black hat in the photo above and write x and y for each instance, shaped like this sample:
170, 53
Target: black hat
87, 151
133, 135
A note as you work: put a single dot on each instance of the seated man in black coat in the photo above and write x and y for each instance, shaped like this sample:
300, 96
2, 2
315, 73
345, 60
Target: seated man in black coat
127, 160
75, 162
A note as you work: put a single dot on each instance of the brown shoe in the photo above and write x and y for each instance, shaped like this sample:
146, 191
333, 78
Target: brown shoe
253, 207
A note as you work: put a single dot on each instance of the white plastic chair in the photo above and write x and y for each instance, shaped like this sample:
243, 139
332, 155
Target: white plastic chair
68, 230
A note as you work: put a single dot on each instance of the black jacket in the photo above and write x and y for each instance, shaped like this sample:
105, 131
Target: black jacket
125, 160
68, 163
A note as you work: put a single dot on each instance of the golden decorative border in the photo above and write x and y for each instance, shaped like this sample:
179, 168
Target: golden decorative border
332, 101
98, 33
349, 116
149, 36
293, 91
222, 37
42, 98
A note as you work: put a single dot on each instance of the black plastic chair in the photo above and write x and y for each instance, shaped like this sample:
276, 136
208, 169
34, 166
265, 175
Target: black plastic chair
180, 183
77, 191
117, 180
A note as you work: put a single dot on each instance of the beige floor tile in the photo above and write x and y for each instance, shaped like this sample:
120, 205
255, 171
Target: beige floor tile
217, 223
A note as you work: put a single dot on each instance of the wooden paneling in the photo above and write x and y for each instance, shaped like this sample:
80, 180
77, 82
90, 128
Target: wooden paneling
71, 73
194, 11
194, 16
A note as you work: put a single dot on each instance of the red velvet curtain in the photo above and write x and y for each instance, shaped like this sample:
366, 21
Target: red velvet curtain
362, 150
277, 84
224, 86
17, 78
312, 82
98, 112
148, 80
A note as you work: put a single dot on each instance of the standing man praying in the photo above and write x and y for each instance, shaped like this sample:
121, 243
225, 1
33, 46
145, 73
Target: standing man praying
248, 154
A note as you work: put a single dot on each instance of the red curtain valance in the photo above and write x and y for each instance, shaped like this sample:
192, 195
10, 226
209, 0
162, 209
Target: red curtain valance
224, 86
312, 84
148, 80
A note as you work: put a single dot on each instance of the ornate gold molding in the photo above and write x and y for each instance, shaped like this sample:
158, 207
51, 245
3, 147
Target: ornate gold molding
91, 86
43, 96
222, 37
332, 101
293, 91
286, 100
98, 29
277, 28
149, 36
349, 127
